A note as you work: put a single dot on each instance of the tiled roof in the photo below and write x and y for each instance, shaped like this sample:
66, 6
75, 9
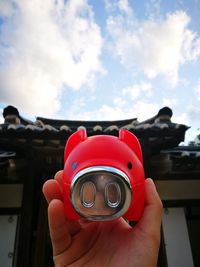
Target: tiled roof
39, 127
158, 131
184, 151
185, 159
7, 154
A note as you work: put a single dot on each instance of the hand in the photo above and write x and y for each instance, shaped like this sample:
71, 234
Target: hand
103, 244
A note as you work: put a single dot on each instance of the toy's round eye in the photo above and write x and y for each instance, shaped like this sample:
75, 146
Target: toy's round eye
130, 165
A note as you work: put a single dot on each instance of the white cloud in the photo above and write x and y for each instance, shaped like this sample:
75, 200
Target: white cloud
122, 5
113, 113
191, 135
134, 91
6, 8
144, 109
192, 119
156, 46
46, 45
181, 118
141, 109
153, 8
170, 102
119, 101
194, 114
131, 102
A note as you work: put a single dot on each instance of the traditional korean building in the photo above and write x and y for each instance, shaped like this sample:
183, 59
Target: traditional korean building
31, 152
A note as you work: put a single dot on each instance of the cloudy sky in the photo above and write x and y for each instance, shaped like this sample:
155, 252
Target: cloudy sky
101, 60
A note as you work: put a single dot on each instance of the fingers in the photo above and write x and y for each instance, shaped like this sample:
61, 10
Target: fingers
59, 229
58, 178
151, 219
51, 190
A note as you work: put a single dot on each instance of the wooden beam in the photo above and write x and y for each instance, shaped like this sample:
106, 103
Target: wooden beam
178, 190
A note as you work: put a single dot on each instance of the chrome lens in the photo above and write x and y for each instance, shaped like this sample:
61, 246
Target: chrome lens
101, 193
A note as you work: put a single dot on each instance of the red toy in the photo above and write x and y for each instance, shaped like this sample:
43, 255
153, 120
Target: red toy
103, 177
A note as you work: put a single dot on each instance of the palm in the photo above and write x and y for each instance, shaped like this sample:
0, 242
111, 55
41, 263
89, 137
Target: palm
104, 244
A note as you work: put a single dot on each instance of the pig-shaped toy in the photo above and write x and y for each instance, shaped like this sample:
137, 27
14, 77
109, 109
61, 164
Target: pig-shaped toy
103, 177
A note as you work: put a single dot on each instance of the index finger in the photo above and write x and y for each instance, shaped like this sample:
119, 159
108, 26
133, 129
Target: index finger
58, 177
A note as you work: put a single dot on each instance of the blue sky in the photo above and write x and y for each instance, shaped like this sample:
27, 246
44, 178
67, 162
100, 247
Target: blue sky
101, 60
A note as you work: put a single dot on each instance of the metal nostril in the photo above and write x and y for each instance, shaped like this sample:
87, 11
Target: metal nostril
88, 194
113, 195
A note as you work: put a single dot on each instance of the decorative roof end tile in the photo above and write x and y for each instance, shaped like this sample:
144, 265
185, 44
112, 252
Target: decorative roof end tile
65, 128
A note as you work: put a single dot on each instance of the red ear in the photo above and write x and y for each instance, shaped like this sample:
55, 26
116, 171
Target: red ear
132, 141
73, 141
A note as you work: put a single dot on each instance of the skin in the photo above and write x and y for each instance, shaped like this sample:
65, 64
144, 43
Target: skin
103, 244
